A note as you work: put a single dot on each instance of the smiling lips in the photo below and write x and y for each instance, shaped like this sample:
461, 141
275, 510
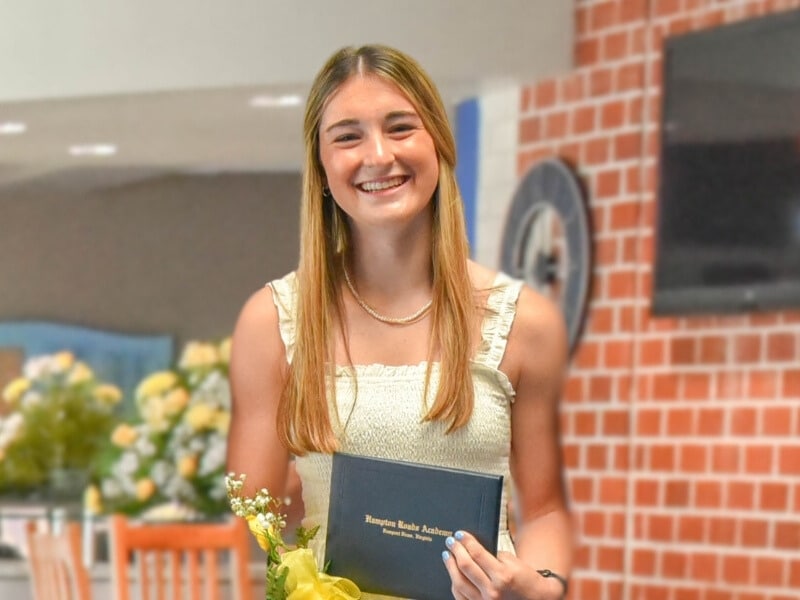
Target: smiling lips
384, 184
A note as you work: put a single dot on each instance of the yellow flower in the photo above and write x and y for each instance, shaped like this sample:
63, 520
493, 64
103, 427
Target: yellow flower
199, 354
305, 582
92, 500
225, 350
176, 401
15, 389
156, 384
144, 489
187, 466
63, 360
124, 435
200, 416
222, 421
79, 373
258, 532
108, 394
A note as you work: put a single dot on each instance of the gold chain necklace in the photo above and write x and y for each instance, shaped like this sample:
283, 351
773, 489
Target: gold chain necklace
376, 315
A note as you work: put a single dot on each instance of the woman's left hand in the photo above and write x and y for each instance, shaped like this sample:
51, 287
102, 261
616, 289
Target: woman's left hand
478, 575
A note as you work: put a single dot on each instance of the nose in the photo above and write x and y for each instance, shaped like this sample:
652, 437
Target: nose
378, 150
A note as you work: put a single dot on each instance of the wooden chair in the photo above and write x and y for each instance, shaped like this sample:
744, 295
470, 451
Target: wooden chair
57, 572
179, 560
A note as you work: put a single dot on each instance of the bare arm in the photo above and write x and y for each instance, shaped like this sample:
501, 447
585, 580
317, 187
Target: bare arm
535, 361
257, 371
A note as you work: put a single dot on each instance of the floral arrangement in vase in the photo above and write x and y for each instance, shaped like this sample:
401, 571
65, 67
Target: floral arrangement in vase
55, 419
167, 463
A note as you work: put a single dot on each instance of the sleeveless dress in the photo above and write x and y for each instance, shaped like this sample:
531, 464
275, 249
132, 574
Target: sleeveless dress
385, 420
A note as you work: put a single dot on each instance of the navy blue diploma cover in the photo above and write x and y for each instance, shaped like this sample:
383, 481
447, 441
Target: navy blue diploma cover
388, 521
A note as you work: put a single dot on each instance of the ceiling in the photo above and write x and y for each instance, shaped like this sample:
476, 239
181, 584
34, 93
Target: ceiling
170, 83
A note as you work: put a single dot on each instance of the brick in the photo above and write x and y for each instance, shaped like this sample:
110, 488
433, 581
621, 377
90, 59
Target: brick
787, 534
754, 533
587, 355
774, 496
587, 51
665, 386
691, 528
682, 350
593, 523
736, 569
741, 494
704, 567
621, 284
600, 81
601, 319
617, 354
614, 490
722, 530
693, 458
555, 125
696, 386
725, 458
572, 88
676, 494
747, 348
604, 15
633, 10
713, 349
652, 352
625, 215
581, 489
616, 422
791, 384
569, 153
600, 388
596, 151
545, 94
708, 494
762, 384
660, 527
769, 571
612, 114
646, 492
583, 120
607, 184
630, 77
530, 130
758, 459
674, 564
665, 8
680, 422
573, 390
743, 421
662, 458
615, 45
615, 525
627, 146
648, 421
585, 423
782, 347
789, 460
710, 421
794, 574
610, 559
596, 456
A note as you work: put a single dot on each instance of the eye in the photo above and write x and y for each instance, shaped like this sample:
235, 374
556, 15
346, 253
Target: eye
345, 137
402, 128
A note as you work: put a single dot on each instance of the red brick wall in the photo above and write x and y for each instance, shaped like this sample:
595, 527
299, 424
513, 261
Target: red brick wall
681, 435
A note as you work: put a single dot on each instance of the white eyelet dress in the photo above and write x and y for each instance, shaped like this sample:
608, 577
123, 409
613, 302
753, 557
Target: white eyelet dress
385, 420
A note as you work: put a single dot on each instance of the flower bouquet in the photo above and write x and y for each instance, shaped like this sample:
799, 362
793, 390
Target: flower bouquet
292, 574
168, 462
56, 417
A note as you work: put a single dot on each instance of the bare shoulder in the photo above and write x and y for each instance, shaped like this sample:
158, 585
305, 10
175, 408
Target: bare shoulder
537, 343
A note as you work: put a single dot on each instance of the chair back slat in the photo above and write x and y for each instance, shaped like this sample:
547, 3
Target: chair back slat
57, 572
181, 561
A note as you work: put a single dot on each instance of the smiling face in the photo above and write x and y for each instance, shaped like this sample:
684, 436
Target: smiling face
380, 162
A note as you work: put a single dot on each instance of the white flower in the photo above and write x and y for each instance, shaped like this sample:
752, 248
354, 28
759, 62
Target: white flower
110, 488
128, 463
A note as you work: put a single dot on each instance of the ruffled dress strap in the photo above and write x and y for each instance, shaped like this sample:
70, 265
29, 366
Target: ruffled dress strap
284, 295
500, 313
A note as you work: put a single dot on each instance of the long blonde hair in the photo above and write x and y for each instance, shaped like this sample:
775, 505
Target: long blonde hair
303, 419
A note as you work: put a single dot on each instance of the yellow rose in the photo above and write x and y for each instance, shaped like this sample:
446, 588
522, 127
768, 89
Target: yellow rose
92, 500
198, 354
258, 532
176, 401
108, 394
63, 360
222, 421
124, 435
144, 489
225, 350
156, 384
15, 389
187, 466
200, 416
304, 581
79, 373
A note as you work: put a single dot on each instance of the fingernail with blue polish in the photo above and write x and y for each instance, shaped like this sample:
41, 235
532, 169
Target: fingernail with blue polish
459, 535
449, 542
445, 556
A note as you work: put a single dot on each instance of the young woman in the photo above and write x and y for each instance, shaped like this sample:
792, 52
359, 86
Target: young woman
389, 342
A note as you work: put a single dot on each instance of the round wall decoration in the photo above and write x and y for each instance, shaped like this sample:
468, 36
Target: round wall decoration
547, 239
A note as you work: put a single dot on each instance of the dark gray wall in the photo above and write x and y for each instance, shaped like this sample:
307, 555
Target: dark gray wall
140, 252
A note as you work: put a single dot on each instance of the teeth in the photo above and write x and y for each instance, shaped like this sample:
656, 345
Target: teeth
376, 186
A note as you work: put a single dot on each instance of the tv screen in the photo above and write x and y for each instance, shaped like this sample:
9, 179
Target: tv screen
728, 218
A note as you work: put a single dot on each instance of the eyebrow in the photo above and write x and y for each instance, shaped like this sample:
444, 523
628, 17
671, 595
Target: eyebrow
391, 116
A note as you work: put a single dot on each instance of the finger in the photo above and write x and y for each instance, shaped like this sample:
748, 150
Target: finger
487, 562
461, 588
467, 565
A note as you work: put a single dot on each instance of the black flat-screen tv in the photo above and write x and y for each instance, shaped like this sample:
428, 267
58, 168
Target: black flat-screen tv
728, 217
